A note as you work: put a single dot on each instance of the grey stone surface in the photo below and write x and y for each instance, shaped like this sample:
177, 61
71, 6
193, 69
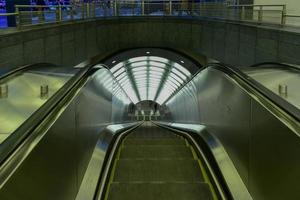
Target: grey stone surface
247, 43
266, 46
71, 43
53, 49
232, 44
11, 56
34, 50
219, 35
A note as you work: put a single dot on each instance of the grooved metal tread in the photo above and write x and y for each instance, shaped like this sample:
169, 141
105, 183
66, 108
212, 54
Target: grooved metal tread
152, 135
155, 151
154, 163
157, 170
157, 191
154, 141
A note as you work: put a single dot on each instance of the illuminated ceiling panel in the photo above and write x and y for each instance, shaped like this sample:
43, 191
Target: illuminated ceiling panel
150, 78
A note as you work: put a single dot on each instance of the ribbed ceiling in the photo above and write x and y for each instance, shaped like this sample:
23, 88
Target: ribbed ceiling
150, 78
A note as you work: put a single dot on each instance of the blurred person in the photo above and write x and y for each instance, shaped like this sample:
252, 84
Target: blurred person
41, 8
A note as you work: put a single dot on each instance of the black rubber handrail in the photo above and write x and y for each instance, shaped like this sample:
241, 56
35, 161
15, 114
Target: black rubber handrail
4, 73
276, 65
22, 132
289, 108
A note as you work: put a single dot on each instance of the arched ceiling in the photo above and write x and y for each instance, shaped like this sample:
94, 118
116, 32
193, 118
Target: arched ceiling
150, 77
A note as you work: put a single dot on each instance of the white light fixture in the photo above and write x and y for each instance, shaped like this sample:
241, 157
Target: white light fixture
116, 67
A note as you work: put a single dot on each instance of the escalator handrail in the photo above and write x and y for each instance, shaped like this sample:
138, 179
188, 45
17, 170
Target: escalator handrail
287, 107
11, 72
15, 139
276, 65
115, 143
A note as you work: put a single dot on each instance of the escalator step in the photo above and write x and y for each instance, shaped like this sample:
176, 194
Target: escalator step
156, 151
152, 134
147, 170
154, 191
157, 141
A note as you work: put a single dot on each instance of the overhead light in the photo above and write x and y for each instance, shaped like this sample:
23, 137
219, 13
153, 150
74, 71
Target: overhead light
116, 67
138, 64
148, 52
113, 61
182, 61
137, 59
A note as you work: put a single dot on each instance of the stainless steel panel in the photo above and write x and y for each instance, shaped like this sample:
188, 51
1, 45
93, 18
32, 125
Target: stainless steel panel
55, 167
237, 188
274, 158
91, 177
219, 106
263, 149
49, 172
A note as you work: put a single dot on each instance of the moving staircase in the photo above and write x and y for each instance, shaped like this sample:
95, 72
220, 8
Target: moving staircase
154, 163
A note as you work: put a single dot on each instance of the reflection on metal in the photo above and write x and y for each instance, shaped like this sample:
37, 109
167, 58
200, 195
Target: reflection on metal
261, 139
283, 90
3, 91
64, 142
105, 173
89, 183
237, 188
44, 91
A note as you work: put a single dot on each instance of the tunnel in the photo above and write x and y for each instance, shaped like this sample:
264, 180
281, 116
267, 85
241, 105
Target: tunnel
149, 123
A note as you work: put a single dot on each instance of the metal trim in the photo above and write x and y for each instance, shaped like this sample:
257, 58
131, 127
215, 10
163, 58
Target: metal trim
85, 186
191, 139
107, 167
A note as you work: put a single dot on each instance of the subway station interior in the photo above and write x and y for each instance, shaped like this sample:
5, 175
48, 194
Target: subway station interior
150, 100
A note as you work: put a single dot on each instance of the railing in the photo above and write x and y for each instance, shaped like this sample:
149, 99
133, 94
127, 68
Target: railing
3, 16
261, 13
28, 15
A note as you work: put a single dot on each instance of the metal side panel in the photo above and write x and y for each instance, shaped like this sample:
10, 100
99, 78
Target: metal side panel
219, 104
54, 165
274, 157
50, 171
91, 177
264, 148
235, 184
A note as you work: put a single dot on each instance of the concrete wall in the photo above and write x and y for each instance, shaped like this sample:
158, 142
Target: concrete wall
71, 43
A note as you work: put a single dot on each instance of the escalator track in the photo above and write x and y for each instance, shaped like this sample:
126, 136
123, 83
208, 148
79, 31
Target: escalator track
154, 163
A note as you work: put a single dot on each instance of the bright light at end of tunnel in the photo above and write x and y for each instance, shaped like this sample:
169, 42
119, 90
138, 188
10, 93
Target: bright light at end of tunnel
150, 77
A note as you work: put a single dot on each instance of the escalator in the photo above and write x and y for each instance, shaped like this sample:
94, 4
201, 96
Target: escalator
57, 144
155, 163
